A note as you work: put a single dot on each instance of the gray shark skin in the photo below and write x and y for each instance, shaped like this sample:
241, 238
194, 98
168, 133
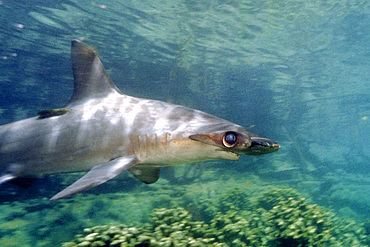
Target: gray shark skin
105, 132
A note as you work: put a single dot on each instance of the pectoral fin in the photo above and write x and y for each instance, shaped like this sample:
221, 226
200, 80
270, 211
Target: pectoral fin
146, 175
6, 178
97, 175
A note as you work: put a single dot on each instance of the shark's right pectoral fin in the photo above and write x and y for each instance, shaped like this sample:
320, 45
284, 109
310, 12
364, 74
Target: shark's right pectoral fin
146, 175
97, 175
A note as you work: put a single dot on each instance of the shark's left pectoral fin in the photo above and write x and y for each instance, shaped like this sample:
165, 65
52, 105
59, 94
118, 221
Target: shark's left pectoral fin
97, 175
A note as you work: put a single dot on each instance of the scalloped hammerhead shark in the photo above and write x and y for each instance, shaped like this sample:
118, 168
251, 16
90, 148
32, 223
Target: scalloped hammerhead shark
105, 132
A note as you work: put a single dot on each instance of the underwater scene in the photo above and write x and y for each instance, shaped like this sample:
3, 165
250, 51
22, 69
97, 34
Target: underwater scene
293, 71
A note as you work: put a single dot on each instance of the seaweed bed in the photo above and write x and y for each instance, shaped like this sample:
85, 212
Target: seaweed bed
277, 217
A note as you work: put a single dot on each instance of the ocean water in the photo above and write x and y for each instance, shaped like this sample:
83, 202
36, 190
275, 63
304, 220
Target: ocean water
296, 72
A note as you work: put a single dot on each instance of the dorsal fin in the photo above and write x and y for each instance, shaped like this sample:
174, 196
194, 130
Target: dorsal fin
90, 78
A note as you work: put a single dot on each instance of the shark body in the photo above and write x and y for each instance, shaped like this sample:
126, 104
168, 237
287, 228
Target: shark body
105, 132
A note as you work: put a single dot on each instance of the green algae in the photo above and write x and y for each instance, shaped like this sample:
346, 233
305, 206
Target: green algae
274, 196
171, 227
278, 217
235, 199
242, 215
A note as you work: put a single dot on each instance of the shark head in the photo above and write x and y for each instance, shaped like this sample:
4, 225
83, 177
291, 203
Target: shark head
180, 135
238, 142
231, 139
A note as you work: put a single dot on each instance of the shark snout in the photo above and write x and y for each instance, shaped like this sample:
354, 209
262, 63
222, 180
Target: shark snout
260, 145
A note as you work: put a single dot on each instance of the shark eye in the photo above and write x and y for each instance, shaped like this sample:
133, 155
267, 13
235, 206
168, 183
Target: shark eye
230, 139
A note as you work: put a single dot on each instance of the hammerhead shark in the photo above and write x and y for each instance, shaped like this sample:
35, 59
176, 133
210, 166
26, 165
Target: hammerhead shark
105, 132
